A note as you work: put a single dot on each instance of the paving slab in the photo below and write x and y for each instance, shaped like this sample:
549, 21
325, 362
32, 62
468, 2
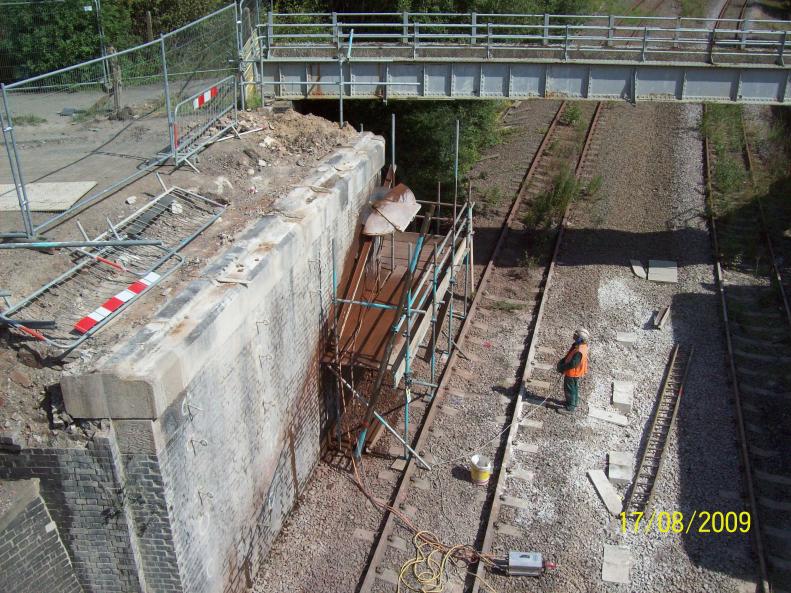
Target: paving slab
661, 270
45, 197
608, 416
616, 564
622, 395
620, 468
511, 530
626, 337
526, 447
606, 492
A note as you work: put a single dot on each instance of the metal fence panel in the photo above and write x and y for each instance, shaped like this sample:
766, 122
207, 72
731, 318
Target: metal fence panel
196, 118
111, 120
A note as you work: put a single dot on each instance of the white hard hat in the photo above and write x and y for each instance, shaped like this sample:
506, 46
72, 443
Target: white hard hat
582, 334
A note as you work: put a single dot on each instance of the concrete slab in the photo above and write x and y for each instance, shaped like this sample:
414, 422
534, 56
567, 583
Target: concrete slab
530, 423
510, 530
536, 384
513, 501
45, 197
616, 564
620, 469
622, 395
608, 416
638, 269
626, 337
606, 492
526, 447
387, 476
399, 465
520, 474
398, 543
661, 317
660, 270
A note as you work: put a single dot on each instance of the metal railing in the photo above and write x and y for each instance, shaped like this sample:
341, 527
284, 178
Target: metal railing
196, 119
611, 37
103, 282
112, 119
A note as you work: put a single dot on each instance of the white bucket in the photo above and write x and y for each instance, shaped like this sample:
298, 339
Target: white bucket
480, 469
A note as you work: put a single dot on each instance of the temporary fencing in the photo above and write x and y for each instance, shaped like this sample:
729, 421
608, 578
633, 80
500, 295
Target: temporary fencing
112, 119
105, 281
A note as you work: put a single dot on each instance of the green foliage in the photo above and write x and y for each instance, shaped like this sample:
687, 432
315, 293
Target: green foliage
43, 37
722, 125
594, 186
571, 115
549, 206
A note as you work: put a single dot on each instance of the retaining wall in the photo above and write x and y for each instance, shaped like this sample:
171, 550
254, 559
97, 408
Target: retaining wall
216, 405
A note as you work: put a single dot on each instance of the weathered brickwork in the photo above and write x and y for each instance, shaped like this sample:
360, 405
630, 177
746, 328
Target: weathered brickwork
86, 501
32, 556
190, 499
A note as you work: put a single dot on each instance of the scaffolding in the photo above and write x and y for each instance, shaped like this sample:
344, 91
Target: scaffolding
399, 294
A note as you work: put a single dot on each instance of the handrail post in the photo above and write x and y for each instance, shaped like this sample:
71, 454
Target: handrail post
415, 39
474, 28
488, 40
780, 56
168, 107
676, 32
745, 26
711, 46
405, 28
645, 44
566, 44
610, 30
545, 36
336, 39
270, 26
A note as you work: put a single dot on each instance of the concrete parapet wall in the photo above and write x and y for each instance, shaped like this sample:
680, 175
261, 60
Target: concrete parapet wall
216, 404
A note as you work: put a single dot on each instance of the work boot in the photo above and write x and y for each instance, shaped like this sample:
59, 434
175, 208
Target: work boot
565, 411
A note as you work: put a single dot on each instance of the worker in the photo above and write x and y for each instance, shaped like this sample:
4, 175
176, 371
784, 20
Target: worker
574, 366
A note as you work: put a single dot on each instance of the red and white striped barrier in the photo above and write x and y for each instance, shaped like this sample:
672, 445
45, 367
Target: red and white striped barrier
200, 101
113, 304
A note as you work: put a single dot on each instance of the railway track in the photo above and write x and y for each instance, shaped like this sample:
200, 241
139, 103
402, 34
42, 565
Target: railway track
758, 337
731, 9
494, 310
503, 482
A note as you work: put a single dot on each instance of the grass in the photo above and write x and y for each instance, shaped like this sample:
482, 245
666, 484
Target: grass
506, 306
693, 8
572, 115
28, 119
549, 206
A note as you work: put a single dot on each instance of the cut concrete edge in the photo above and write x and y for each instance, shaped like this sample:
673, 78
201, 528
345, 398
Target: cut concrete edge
638, 269
157, 363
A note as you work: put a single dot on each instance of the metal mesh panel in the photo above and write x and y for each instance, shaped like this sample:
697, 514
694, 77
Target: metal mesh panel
110, 120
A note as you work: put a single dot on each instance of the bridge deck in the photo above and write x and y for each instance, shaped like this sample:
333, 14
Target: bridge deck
490, 56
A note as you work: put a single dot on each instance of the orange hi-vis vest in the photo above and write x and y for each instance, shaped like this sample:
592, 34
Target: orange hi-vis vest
582, 368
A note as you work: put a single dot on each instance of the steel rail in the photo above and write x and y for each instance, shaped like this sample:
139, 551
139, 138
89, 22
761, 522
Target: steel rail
670, 384
403, 485
776, 274
740, 423
527, 371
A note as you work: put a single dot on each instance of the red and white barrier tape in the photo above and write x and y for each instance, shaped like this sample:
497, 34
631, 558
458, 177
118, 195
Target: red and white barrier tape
114, 303
205, 98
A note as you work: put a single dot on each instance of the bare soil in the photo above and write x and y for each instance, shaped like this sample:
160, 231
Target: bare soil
246, 173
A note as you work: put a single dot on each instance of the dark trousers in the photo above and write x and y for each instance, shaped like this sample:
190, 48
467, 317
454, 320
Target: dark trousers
571, 387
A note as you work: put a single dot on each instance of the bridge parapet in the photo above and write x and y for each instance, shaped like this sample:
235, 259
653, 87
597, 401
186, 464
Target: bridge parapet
429, 55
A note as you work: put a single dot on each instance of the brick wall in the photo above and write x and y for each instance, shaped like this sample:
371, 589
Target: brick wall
32, 556
197, 492
83, 493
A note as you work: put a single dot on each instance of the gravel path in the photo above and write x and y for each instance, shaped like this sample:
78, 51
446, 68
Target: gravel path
650, 206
